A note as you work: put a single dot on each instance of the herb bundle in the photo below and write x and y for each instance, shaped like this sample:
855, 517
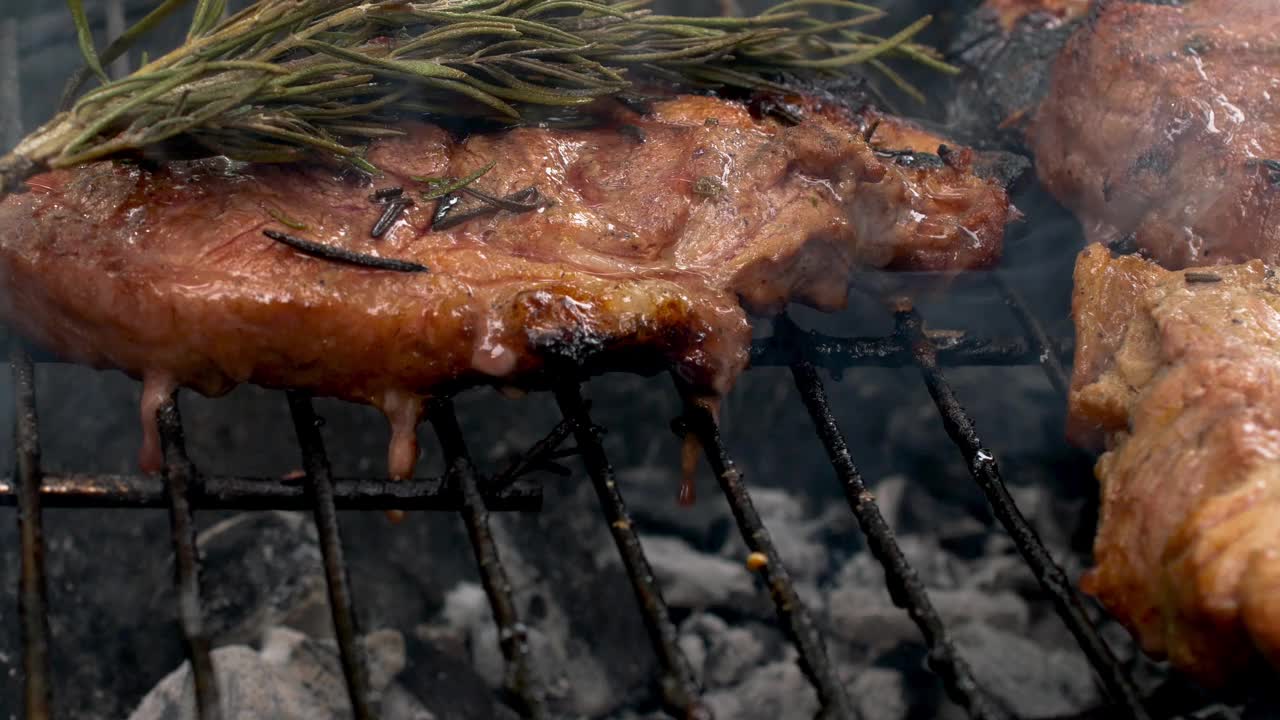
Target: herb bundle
284, 79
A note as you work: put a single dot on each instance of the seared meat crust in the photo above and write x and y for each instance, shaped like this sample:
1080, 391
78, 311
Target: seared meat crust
658, 229
1178, 373
1163, 124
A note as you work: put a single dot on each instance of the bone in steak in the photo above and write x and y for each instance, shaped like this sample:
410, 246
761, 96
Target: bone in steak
1162, 125
651, 234
1178, 373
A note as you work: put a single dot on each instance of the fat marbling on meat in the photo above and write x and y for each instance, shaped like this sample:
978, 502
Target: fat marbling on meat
658, 232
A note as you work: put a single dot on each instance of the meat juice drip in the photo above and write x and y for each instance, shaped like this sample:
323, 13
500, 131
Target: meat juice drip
404, 412
689, 453
690, 450
488, 354
157, 388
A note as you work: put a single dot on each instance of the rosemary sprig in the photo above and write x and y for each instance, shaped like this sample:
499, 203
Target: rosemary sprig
284, 79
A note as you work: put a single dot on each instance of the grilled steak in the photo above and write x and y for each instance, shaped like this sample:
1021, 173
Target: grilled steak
1178, 373
1162, 128
651, 232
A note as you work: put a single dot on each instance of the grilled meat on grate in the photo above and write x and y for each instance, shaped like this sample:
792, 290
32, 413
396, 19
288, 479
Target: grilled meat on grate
637, 236
1180, 372
1162, 125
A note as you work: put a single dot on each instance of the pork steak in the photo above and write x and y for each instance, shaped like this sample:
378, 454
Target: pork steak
1161, 128
1178, 375
653, 230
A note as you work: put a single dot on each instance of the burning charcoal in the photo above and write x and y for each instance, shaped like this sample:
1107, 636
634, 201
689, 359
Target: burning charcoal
262, 570
571, 586
1031, 681
882, 694
777, 691
862, 612
733, 653
293, 678
691, 579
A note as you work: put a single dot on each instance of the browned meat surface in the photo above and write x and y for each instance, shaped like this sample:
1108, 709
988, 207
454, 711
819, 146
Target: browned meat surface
1163, 122
656, 232
1179, 374
1010, 12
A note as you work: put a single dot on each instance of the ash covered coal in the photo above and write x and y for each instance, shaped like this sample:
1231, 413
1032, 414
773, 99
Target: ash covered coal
262, 571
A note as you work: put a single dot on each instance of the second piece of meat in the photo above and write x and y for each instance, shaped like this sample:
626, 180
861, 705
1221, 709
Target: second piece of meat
1162, 126
1178, 374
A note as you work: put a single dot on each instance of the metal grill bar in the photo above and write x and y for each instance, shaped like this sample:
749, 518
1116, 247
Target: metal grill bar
904, 585
986, 473
539, 454
792, 613
32, 598
180, 476
91, 490
1048, 354
513, 638
320, 486
680, 692
837, 353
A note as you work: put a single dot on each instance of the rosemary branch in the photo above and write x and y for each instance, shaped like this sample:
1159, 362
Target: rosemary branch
283, 79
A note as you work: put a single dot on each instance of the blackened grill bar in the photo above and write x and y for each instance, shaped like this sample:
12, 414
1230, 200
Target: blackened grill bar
837, 353
512, 635
91, 490
680, 693
794, 617
904, 584
33, 609
315, 463
179, 476
986, 473
1049, 355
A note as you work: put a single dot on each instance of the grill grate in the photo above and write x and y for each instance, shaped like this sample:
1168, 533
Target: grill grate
182, 489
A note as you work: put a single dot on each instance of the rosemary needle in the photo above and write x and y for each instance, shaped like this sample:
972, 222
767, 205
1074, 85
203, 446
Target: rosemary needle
343, 255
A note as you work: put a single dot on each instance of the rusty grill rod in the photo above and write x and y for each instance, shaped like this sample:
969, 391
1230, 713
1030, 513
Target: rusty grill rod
32, 593
792, 613
680, 692
986, 473
320, 487
513, 636
92, 490
180, 476
904, 584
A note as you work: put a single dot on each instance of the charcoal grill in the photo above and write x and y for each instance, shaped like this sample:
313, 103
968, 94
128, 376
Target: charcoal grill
183, 489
